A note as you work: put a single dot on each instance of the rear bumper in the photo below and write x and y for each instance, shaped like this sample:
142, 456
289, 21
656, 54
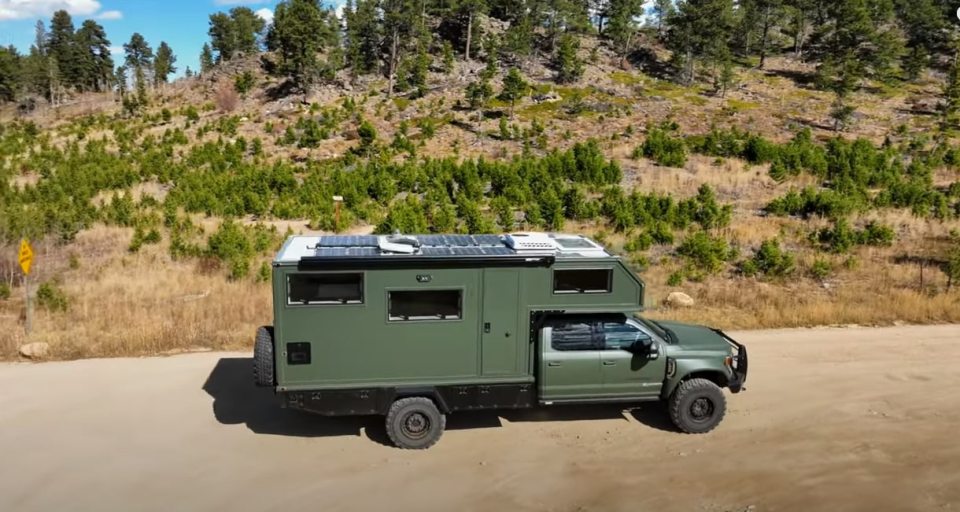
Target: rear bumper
740, 363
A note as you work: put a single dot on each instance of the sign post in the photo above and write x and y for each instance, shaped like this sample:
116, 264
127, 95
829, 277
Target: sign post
336, 208
25, 257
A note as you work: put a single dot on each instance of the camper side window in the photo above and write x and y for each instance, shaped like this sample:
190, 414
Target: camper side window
598, 280
325, 289
410, 305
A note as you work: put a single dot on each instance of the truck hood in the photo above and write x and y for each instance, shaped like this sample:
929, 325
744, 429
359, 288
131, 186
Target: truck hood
696, 337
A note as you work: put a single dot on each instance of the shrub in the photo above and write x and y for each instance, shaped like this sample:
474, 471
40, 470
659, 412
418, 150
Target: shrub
368, 137
192, 114
675, 279
51, 297
820, 269
705, 253
265, 273
244, 82
226, 98
876, 234
838, 239
663, 148
769, 260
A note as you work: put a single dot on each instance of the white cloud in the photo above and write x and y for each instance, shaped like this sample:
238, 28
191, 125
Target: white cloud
25, 9
266, 14
239, 2
116, 50
110, 15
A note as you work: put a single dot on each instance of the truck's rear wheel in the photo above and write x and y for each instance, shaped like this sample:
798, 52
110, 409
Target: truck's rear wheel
415, 423
697, 406
263, 357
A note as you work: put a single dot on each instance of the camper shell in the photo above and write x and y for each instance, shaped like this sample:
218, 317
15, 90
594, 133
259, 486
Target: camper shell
460, 321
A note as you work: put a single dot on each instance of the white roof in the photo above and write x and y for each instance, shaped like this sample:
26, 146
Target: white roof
560, 245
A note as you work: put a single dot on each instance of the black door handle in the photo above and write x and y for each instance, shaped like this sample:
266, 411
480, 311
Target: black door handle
609, 363
553, 364
486, 327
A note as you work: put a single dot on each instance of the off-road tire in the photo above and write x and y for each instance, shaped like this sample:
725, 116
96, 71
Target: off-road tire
415, 423
263, 361
697, 406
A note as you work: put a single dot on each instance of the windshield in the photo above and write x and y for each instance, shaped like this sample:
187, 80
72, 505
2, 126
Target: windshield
662, 331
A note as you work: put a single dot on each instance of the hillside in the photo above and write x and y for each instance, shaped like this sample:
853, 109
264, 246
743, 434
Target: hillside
153, 226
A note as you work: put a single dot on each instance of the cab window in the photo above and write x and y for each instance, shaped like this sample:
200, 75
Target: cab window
620, 335
572, 335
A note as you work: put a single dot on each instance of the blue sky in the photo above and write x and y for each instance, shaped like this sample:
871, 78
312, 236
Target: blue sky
181, 23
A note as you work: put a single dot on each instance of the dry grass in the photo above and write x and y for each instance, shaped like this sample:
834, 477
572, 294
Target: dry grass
142, 304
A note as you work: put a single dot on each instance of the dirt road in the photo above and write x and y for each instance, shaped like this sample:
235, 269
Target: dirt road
833, 419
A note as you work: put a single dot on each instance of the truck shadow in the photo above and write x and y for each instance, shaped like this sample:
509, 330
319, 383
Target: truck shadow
236, 400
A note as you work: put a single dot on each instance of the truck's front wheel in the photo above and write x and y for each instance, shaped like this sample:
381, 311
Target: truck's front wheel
697, 406
415, 423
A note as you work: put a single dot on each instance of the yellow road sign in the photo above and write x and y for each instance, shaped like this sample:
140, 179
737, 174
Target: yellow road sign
25, 256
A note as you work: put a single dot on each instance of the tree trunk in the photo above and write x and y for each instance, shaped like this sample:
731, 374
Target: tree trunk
763, 37
393, 61
469, 34
798, 37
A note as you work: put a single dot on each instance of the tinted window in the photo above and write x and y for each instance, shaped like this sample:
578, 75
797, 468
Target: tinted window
325, 289
582, 281
425, 305
572, 335
621, 335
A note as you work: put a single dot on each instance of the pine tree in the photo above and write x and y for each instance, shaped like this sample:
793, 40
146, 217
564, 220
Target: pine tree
514, 88
478, 94
62, 45
223, 37
924, 27
568, 64
299, 32
700, 31
854, 42
623, 24
662, 11
399, 18
469, 10
139, 58
9, 73
163, 64
121, 79
950, 109
758, 18
206, 59
362, 44
96, 64
247, 29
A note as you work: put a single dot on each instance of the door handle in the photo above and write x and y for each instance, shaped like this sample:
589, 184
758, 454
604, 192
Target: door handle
609, 363
553, 364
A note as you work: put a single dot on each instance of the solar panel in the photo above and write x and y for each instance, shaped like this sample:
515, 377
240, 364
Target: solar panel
493, 240
347, 241
340, 252
459, 240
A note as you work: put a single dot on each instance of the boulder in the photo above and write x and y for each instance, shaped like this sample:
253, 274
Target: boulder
679, 299
37, 350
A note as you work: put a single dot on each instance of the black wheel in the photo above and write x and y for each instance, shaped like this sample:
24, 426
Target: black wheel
415, 423
697, 406
263, 357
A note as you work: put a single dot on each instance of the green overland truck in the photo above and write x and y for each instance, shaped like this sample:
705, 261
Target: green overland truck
414, 327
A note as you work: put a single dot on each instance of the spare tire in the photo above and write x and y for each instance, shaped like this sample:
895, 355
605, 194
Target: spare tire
263, 365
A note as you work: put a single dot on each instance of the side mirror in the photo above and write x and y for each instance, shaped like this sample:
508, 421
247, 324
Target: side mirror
645, 347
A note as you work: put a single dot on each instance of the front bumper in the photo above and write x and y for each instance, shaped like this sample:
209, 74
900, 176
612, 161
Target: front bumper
740, 363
